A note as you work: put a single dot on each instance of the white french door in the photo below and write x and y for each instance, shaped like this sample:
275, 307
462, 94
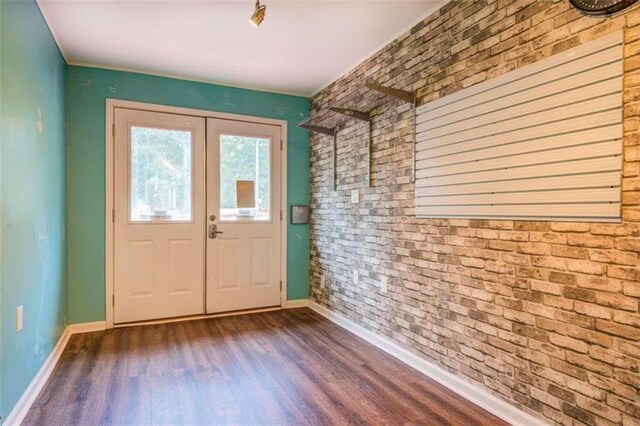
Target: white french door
243, 210
159, 215
192, 239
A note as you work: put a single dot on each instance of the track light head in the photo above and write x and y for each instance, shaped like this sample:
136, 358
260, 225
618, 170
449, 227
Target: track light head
258, 15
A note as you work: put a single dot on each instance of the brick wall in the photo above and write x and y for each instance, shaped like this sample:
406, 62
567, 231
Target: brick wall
544, 315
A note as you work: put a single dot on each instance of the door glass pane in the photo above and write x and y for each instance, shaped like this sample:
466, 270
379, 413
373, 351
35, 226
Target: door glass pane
245, 178
160, 175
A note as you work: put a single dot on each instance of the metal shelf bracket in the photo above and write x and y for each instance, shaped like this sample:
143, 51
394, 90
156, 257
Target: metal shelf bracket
408, 97
362, 116
325, 131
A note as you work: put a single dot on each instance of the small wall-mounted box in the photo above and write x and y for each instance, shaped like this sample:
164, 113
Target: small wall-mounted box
299, 215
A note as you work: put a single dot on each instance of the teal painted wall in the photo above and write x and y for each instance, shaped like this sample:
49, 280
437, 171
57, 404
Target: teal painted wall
87, 91
32, 196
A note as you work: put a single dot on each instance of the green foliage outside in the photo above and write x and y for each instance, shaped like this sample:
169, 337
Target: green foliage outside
161, 171
243, 158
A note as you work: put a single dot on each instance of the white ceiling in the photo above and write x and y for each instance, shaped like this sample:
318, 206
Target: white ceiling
302, 45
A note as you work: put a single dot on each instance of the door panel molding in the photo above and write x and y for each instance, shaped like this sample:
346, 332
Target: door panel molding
111, 105
253, 269
158, 230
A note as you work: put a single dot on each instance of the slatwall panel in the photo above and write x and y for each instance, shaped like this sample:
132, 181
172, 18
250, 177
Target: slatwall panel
542, 142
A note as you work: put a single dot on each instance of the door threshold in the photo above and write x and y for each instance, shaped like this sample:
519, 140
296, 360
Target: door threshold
197, 317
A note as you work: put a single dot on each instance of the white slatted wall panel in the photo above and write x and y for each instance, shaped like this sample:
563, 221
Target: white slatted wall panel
542, 142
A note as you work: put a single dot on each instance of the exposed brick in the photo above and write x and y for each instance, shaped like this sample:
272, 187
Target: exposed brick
568, 369
627, 378
578, 321
563, 394
545, 397
629, 348
632, 274
570, 227
568, 251
586, 389
562, 278
628, 244
585, 267
578, 413
568, 342
543, 314
592, 310
546, 287
590, 336
615, 257
626, 318
599, 409
587, 363
579, 294
614, 358
600, 283
612, 386
625, 331
625, 406
632, 289
617, 301
586, 240
530, 332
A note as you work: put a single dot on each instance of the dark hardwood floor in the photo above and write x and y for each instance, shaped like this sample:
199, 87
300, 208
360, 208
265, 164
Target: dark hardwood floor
278, 368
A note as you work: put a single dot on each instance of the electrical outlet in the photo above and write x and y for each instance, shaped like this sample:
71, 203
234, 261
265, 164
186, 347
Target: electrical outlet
355, 196
322, 282
355, 276
19, 313
383, 283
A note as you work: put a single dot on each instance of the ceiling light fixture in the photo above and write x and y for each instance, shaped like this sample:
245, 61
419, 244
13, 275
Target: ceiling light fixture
258, 15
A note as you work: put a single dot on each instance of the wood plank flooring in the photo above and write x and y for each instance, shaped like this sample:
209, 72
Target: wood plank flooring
288, 367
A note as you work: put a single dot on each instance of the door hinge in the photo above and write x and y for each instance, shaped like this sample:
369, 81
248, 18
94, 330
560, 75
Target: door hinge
280, 215
113, 216
113, 130
281, 286
113, 300
281, 144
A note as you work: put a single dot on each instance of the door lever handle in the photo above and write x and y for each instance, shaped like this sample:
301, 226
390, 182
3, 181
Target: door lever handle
213, 231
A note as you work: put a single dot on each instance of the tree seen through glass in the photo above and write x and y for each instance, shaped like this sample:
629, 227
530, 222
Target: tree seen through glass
244, 159
160, 174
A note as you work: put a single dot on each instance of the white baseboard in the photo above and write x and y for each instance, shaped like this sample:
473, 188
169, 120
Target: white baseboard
88, 327
463, 388
471, 392
298, 303
30, 394
196, 317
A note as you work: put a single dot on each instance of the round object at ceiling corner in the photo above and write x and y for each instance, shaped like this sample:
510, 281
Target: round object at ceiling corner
601, 7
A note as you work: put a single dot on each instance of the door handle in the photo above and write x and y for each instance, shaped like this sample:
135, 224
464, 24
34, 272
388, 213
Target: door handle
213, 231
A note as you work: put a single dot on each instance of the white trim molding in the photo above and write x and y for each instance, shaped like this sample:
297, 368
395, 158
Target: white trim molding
463, 388
111, 105
470, 392
30, 394
298, 303
197, 317
88, 327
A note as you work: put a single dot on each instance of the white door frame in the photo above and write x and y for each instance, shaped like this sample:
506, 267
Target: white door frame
111, 105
